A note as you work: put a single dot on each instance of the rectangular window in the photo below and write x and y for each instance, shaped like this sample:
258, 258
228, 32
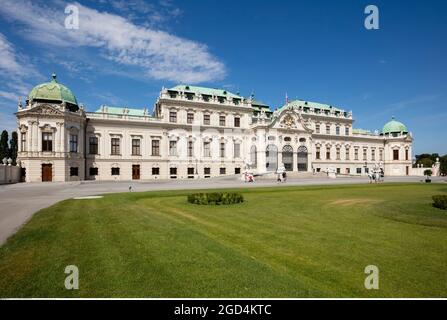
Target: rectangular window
237, 150
222, 171
337, 131
115, 146
395, 154
381, 154
74, 171
237, 122
23, 141
136, 143
190, 148
206, 149
346, 131
190, 118
222, 150
190, 171
207, 171
115, 171
338, 170
328, 153
373, 155
155, 171
356, 154
93, 171
318, 154
365, 151
406, 154
173, 171
359, 170
47, 141
338, 153
93, 145
237, 170
222, 121
328, 129
317, 128
155, 147
348, 170
347, 153
173, 116
73, 143
206, 119
172, 148
366, 170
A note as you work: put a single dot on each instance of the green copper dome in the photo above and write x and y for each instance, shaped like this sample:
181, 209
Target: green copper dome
53, 91
394, 127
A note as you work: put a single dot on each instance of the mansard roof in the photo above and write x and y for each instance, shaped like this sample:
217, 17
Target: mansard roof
206, 91
316, 105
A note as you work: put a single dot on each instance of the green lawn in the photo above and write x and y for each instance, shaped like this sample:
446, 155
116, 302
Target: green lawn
281, 242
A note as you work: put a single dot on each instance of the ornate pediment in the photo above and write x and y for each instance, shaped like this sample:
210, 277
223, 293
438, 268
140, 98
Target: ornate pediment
46, 109
290, 120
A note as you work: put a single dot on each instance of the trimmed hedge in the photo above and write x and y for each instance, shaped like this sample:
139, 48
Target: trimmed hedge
440, 202
216, 198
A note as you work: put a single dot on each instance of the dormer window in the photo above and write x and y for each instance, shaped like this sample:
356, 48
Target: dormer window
172, 94
221, 99
206, 97
190, 96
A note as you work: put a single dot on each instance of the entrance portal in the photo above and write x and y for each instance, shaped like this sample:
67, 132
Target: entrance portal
287, 157
136, 172
271, 156
47, 172
302, 158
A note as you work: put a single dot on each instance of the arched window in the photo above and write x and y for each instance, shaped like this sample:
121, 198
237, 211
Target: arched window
302, 158
287, 157
253, 156
271, 156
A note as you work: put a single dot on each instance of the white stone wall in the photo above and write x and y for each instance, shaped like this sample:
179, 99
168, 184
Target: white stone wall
9, 174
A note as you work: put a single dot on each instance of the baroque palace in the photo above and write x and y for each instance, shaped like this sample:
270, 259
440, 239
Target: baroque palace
196, 132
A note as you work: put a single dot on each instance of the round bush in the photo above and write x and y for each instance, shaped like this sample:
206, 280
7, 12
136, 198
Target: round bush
215, 198
440, 201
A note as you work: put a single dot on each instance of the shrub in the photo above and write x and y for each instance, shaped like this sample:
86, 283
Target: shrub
428, 173
440, 202
216, 198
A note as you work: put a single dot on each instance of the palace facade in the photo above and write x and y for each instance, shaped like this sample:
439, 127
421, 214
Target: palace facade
196, 132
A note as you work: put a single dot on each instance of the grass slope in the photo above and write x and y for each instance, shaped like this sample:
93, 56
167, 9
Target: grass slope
281, 242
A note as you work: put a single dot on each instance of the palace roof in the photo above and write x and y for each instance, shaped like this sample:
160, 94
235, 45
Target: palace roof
205, 91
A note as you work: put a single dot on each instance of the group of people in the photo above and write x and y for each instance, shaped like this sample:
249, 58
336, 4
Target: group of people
281, 176
249, 177
376, 175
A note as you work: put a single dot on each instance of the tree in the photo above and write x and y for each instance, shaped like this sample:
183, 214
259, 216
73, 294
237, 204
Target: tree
13, 147
4, 147
426, 162
443, 168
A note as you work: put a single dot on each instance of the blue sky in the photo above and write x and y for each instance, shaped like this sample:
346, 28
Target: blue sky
124, 52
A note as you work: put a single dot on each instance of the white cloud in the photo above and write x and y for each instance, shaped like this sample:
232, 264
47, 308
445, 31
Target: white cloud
8, 96
8, 60
158, 54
